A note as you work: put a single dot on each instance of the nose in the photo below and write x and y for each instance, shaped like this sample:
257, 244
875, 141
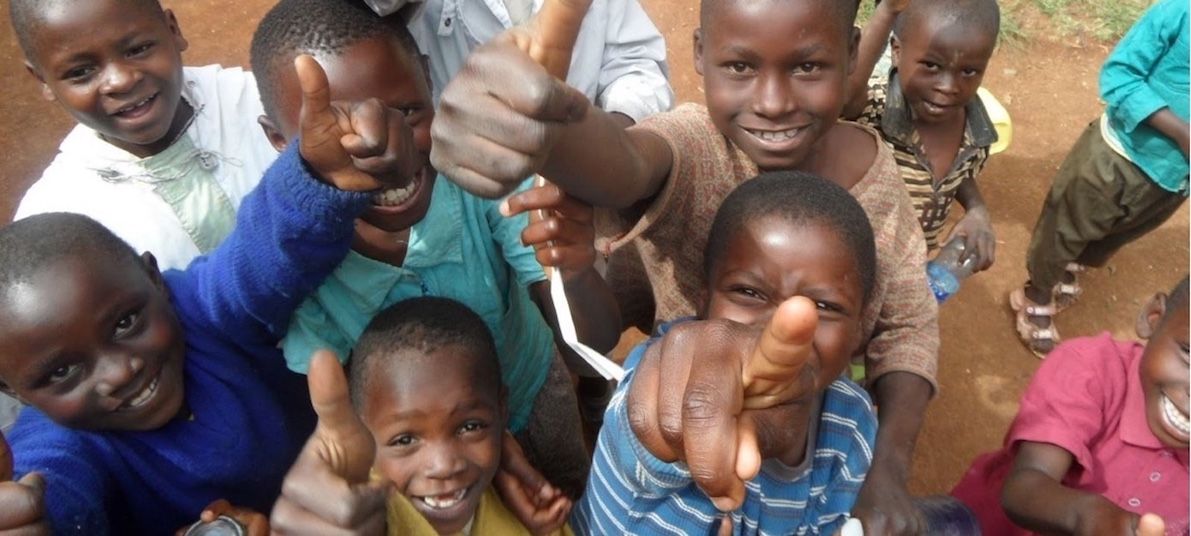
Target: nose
947, 84
443, 463
113, 372
772, 97
119, 78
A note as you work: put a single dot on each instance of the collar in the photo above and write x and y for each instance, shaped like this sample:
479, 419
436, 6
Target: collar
1134, 428
897, 120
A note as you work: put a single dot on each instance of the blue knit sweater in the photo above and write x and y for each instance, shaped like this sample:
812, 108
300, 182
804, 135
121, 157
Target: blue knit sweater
248, 415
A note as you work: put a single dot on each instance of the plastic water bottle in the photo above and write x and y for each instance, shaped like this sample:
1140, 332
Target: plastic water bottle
948, 269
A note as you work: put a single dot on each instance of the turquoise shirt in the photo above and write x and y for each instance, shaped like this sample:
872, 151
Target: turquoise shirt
464, 249
1146, 72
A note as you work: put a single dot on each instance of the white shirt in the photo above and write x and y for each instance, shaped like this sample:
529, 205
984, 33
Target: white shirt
225, 129
619, 60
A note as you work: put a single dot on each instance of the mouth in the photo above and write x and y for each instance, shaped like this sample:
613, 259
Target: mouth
400, 198
934, 108
1176, 420
444, 501
142, 397
136, 109
774, 136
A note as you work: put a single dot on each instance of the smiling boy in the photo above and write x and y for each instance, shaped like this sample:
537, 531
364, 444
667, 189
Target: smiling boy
774, 76
927, 110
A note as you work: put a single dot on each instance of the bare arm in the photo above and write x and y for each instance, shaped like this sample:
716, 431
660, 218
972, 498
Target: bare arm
873, 40
980, 240
1171, 126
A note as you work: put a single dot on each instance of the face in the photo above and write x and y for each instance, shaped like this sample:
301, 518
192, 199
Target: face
94, 345
1164, 374
770, 260
372, 69
116, 67
941, 70
774, 75
437, 438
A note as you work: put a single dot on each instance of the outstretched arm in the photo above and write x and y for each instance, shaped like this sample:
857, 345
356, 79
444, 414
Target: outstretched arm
873, 40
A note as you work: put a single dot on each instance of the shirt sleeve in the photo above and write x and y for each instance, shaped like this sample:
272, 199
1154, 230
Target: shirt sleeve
76, 488
848, 431
1124, 78
291, 232
312, 329
1066, 401
506, 231
633, 78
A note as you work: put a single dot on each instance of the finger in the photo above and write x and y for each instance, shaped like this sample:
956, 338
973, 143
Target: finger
710, 408
1151, 525
291, 519
316, 90
642, 406
556, 231
514, 496
576, 258
537, 198
5, 460
558, 23
343, 442
333, 500
214, 510
674, 374
328, 391
369, 134
22, 501
748, 450
778, 370
492, 170
515, 463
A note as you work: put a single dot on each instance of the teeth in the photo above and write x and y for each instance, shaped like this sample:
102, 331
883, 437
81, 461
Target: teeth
779, 136
1175, 417
131, 107
143, 396
394, 196
442, 502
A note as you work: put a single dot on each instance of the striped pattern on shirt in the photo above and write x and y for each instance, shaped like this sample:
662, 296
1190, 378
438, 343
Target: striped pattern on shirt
632, 492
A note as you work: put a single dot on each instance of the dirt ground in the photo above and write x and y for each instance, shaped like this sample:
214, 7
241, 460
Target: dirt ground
1050, 90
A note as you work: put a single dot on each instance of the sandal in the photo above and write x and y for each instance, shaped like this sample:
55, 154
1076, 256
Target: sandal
1066, 294
1031, 334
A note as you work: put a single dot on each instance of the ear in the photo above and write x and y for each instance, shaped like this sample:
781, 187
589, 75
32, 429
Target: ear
504, 405
895, 49
1150, 316
149, 263
853, 48
46, 93
698, 49
703, 300
176, 30
276, 138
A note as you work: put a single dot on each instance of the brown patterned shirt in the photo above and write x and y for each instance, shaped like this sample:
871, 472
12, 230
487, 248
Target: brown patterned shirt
887, 111
664, 267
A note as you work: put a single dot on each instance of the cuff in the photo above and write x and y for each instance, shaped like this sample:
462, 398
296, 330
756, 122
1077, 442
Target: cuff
1135, 108
320, 201
636, 98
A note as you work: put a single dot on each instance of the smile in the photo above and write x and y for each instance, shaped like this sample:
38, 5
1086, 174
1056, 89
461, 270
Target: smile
774, 136
443, 501
136, 108
140, 398
397, 199
1175, 416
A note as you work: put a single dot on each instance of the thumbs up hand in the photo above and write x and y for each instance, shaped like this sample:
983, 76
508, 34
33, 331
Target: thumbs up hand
22, 503
358, 146
706, 392
327, 490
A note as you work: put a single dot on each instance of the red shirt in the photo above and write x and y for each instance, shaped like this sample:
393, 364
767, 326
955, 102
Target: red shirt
1087, 399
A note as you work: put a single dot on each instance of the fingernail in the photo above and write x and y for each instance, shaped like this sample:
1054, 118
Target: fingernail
504, 208
724, 504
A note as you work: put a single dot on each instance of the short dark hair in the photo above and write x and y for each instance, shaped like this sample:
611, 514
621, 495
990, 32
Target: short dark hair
977, 15
33, 244
315, 27
424, 325
844, 9
26, 16
1177, 299
799, 198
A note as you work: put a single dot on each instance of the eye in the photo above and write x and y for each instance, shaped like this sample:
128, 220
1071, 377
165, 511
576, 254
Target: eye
749, 292
60, 374
930, 66
738, 67
471, 427
828, 307
402, 440
807, 68
79, 74
140, 50
126, 324
970, 72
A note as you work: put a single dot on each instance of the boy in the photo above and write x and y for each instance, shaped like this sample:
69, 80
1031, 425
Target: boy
432, 238
151, 395
1125, 175
774, 76
162, 154
781, 240
1100, 440
927, 110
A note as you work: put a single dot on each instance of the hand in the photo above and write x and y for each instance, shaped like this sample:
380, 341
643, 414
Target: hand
1100, 517
550, 36
684, 411
490, 134
885, 507
542, 508
327, 490
894, 6
1183, 140
980, 242
565, 235
359, 146
255, 523
22, 506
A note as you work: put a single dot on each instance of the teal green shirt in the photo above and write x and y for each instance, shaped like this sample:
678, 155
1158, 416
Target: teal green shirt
1146, 72
464, 249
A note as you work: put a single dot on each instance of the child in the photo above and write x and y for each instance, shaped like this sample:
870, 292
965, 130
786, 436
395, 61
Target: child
151, 395
432, 238
1101, 437
1125, 175
162, 154
927, 109
776, 237
774, 75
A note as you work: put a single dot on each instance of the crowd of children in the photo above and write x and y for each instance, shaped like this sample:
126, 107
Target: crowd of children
314, 293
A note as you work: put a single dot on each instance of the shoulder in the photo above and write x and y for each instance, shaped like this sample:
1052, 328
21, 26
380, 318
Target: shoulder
1097, 357
686, 121
847, 409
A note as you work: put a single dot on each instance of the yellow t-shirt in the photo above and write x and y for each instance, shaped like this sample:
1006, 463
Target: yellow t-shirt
492, 517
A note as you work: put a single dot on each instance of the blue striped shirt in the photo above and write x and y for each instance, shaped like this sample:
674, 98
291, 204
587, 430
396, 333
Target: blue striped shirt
632, 492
